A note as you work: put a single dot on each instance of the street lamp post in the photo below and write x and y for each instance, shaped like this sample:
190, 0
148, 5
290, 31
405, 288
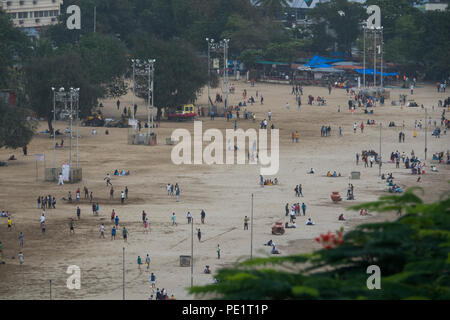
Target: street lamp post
379, 158
251, 233
426, 133
134, 81
192, 252
54, 131
146, 69
210, 43
225, 43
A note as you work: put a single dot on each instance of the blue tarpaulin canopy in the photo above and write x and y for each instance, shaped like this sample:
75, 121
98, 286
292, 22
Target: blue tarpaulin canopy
321, 65
319, 60
370, 72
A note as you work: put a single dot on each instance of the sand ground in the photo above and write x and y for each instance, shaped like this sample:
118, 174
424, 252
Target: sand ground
223, 191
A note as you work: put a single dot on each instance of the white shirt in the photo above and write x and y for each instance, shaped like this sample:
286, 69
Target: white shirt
123, 195
42, 219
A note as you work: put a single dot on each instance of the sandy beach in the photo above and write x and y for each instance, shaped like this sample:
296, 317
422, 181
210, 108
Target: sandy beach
223, 191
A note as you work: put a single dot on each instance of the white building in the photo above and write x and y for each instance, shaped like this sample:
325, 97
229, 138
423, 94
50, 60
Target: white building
32, 14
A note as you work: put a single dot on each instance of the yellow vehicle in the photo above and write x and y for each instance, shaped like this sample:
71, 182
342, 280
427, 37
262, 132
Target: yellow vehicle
183, 112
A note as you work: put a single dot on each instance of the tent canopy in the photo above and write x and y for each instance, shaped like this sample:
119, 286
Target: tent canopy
319, 60
370, 72
321, 65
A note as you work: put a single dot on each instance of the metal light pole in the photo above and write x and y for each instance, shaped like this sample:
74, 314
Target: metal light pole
54, 131
134, 81
123, 275
71, 128
209, 41
381, 55
77, 96
225, 43
364, 70
251, 233
192, 252
50, 282
426, 133
152, 75
374, 57
379, 166
146, 68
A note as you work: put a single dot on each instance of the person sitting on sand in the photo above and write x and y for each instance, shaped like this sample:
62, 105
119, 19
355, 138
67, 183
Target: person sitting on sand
207, 270
341, 217
328, 174
274, 250
312, 171
116, 172
12, 158
334, 175
294, 225
309, 222
269, 243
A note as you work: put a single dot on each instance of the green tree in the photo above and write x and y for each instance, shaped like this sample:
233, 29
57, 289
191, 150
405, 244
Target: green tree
339, 20
14, 48
412, 253
180, 73
272, 7
391, 11
15, 130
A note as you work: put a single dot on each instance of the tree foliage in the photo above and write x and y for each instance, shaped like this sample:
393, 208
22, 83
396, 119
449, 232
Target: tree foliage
15, 130
337, 21
412, 253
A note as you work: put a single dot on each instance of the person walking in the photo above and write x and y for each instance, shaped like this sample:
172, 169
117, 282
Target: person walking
203, 215
126, 192
116, 221
218, 252
102, 231
304, 208
125, 234
199, 235
122, 197
147, 261
78, 213
153, 280
177, 192
108, 179
189, 217
357, 158
139, 262
246, 223
174, 219
21, 239
20, 257
113, 233
111, 193
60, 180
300, 190
71, 226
